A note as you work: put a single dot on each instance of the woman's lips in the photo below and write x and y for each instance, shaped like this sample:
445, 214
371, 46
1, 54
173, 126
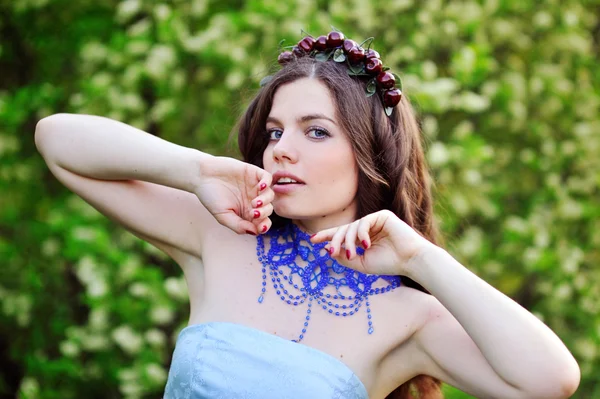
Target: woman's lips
286, 188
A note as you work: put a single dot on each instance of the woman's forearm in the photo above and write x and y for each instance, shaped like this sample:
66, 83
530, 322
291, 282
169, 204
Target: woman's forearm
518, 346
103, 148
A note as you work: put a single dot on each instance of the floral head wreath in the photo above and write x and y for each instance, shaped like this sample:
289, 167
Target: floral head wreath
361, 62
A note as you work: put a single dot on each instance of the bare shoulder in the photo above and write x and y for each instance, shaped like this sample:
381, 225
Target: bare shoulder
411, 306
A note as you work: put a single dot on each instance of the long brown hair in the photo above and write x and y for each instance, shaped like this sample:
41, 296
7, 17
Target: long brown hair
392, 170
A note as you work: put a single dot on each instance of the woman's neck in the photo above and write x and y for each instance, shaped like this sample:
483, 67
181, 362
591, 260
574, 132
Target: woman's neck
313, 226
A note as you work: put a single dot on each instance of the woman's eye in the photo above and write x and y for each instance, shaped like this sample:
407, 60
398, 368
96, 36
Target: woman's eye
275, 134
315, 133
318, 133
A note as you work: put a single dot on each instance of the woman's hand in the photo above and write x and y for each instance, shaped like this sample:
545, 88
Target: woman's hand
237, 194
389, 244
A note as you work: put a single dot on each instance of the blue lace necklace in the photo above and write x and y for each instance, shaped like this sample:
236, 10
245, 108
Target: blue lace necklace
321, 271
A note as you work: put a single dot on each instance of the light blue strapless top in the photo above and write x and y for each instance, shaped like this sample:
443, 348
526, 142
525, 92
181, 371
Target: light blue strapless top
230, 361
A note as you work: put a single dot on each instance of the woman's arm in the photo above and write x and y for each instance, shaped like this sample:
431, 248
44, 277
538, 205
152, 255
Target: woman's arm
472, 336
141, 181
166, 194
518, 348
138, 180
102, 148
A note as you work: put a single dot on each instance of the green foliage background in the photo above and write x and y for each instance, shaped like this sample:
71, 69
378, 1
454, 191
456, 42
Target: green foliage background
508, 95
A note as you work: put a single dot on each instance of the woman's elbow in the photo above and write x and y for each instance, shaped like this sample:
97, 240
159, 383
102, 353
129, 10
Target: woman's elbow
45, 129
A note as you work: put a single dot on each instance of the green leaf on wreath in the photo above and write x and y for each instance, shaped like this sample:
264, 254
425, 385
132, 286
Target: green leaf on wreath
398, 81
338, 55
356, 69
371, 87
322, 56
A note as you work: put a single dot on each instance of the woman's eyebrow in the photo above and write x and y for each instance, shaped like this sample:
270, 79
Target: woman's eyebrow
303, 119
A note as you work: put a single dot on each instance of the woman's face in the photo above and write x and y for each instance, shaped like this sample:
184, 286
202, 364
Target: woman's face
307, 141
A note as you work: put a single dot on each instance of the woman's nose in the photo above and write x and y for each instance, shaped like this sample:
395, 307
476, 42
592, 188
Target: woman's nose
284, 149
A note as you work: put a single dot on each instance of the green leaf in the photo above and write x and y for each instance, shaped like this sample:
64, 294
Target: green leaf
265, 81
339, 56
398, 81
356, 69
323, 56
371, 87
388, 111
385, 68
357, 74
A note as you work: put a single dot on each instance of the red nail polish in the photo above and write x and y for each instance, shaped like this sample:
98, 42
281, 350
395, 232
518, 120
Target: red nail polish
263, 186
364, 243
312, 235
331, 250
259, 203
249, 232
348, 254
256, 214
264, 228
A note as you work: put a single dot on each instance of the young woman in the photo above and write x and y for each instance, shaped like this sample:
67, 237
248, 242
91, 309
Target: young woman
312, 266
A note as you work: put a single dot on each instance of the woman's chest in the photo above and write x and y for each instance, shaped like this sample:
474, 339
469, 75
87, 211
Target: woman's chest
357, 330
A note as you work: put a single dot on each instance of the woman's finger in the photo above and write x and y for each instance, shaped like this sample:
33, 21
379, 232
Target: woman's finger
350, 240
364, 228
323, 235
266, 197
261, 213
267, 210
264, 180
335, 244
236, 223
264, 225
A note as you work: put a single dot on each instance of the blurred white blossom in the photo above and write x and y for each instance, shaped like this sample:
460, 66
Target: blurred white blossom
127, 339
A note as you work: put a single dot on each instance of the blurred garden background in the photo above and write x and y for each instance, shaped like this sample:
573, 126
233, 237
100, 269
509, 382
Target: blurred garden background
508, 93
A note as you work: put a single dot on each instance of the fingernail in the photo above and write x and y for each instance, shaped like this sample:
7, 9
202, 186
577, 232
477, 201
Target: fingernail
331, 250
256, 214
263, 186
250, 232
259, 203
364, 243
312, 235
348, 254
264, 228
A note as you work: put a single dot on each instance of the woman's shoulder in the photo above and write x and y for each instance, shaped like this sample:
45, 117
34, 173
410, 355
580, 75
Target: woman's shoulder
408, 305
